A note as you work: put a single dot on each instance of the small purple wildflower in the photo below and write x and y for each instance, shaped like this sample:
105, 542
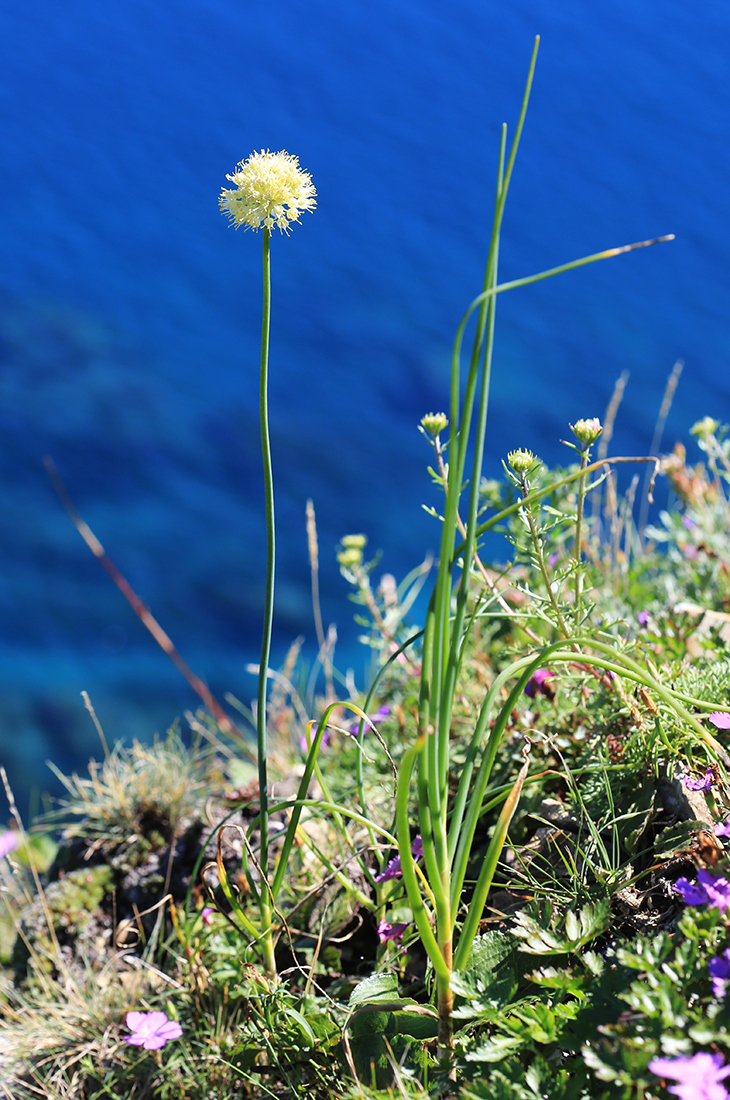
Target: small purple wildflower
711, 890
539, 684
207, 915
379, 715
393, 868
8, 842
392, 932
720, 719
151, 1030
698, 1077
643, 618
699, 784
719, 969
324, 743
688, 522
722, 828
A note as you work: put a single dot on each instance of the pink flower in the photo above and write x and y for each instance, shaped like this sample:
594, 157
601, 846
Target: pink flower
151, 1030
8, 842
698, 1077
207, 915
539, 684
720, 719
392, 932
722, 828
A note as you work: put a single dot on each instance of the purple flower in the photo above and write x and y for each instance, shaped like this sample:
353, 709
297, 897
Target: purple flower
392, 932
688, 522
151, 1030
8, 841
699, 784
643, 618
698, 1077
722, 829
712, 890
720, 719
719, 969
393, 868
379, 715
324, 743
207, 915
539, 684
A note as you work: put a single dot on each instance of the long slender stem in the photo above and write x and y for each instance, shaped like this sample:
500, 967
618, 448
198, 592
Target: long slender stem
540, 557
267, 944
579, 539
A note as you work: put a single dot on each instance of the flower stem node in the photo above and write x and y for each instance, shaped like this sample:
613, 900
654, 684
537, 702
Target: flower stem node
271, 190
434, 423
520, 461
587, 431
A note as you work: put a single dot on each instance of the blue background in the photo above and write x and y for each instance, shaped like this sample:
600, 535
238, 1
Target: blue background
129, 311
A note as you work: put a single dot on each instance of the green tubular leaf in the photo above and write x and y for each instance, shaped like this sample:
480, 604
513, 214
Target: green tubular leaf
486, 874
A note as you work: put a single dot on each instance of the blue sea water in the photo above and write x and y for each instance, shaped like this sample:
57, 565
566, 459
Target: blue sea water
129, 311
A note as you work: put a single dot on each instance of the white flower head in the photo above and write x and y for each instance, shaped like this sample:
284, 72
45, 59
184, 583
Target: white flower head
271, 190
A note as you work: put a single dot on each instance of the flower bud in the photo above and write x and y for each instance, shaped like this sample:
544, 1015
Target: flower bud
587, 431
433, 423
703, 428
520, 461
350, 557
354, 542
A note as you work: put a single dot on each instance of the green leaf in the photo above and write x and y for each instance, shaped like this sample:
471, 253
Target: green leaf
378, 987
495, 1049
542, 936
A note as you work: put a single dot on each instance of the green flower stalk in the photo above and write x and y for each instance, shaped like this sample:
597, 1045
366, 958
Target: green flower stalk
271, 192
586, 432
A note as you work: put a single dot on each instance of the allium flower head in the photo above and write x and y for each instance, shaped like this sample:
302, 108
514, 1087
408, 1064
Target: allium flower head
271, 190
151, 1030
587, 431
698, 1077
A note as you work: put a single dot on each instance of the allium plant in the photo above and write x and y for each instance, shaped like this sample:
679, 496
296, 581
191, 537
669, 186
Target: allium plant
447, 825
271, 191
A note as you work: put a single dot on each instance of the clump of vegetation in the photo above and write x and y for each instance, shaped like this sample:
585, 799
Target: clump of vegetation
502, 871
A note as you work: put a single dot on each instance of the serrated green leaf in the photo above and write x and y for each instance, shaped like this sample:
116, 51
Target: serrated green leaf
494, 1050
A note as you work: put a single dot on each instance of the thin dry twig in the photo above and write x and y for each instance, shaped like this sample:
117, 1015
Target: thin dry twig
143, 612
